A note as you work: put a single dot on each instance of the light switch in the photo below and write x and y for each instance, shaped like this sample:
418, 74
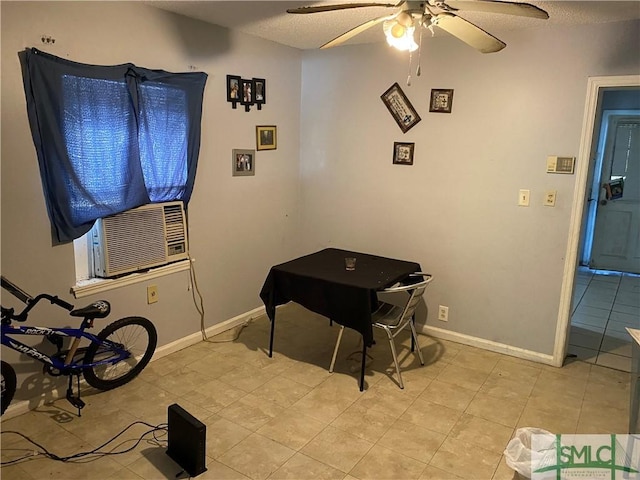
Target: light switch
550, 198
523, 198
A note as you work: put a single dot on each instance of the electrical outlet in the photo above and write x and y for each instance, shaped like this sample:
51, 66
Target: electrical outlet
152, 294
443, 313
550, 198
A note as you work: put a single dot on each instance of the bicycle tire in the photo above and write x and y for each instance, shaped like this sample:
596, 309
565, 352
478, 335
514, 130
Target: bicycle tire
138, 336
9, 383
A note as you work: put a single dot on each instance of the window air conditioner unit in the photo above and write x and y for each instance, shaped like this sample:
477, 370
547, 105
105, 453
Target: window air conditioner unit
138, 239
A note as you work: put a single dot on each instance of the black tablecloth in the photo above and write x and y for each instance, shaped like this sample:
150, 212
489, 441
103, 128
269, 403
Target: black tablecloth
321, 283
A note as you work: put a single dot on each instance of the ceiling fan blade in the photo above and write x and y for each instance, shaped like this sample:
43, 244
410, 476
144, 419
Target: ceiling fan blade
355, 31
469, 33
489, 6
342, 6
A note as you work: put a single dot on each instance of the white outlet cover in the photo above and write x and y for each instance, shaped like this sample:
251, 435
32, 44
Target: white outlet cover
550, 198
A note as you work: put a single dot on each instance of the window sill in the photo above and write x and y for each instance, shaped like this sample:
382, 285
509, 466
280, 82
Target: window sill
84, 288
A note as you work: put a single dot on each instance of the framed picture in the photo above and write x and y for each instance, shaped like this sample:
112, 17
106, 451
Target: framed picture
233, 88
441, 100
400, 107
246, 91
403, 153
260, 91
266, 137
243, 162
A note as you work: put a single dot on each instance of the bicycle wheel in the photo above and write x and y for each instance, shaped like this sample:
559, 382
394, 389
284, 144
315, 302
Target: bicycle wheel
137, 335
8, 385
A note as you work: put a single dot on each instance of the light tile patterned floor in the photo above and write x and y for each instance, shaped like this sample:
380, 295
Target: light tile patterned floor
604, 303
287, 417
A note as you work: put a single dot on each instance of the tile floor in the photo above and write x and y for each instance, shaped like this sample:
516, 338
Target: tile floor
287, 417
604, 303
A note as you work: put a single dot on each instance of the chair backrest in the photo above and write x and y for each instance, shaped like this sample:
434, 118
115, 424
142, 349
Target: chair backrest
415, 285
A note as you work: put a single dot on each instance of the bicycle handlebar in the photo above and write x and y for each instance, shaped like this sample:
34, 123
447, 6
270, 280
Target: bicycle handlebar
56, 300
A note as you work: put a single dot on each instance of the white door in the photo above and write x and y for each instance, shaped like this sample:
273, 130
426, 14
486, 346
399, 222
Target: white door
616, 238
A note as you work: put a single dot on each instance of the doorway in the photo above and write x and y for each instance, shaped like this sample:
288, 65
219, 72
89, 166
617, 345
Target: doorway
599, 297
611, 239
604, 301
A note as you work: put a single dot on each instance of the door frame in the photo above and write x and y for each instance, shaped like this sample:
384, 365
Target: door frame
583, 164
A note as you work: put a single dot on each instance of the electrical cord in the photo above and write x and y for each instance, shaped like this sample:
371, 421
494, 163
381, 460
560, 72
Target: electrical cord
198, 302
96, 452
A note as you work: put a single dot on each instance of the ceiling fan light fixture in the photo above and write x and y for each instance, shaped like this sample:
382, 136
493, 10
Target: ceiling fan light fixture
400, 36
398, 31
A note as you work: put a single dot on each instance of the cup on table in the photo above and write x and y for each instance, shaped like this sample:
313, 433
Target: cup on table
350, 263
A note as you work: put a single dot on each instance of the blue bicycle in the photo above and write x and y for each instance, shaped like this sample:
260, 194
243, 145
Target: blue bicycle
113, 357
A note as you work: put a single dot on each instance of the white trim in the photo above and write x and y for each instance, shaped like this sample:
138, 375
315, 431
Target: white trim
594, 85
84, 288
485, 344
218, 328
18, 408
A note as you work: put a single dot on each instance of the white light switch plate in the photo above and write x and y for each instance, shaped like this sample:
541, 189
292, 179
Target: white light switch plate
523, 198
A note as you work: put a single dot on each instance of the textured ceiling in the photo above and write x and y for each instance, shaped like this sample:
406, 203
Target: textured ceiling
269, 20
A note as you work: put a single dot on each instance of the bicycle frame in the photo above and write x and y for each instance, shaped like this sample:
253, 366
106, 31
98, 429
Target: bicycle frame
63, 366
102, 351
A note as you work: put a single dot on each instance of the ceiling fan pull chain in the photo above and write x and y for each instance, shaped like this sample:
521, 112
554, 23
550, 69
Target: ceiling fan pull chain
419, 51
409, 73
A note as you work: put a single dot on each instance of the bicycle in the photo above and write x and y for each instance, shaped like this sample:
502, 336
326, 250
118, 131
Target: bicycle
114, 357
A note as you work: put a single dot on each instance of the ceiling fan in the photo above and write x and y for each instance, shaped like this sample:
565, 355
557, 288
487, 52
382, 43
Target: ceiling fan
399, 26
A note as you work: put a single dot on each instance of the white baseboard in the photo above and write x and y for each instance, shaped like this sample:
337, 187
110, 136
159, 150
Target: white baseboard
18, 408
485, 344
217, 329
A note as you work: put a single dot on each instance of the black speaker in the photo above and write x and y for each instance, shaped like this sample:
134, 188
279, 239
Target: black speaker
187, 440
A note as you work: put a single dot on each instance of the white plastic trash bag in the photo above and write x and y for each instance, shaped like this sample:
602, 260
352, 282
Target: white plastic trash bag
519, 454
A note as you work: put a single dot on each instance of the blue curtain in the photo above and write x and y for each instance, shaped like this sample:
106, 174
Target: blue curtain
110, 138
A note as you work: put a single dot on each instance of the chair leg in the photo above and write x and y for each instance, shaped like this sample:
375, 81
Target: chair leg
335, 350
395, 357
414, 337
413, 342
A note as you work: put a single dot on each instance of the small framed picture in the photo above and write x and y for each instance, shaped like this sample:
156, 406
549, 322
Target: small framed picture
246, 93
266, 137
243, 162
260, 91
233, 88
441, 100
403, 153
400, 107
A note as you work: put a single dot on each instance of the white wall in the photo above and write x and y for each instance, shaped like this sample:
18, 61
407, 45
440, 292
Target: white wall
239, 226
497, 266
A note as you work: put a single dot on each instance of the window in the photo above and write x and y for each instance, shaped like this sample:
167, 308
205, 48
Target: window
97, 126
101, 137
626, 138
110, 138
